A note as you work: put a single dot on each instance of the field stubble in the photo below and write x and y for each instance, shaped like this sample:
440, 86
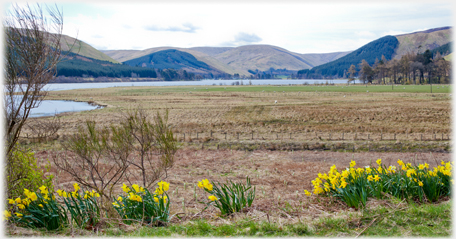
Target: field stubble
299, 113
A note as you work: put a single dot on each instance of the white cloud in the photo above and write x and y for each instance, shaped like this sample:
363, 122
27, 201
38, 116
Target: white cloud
299, 27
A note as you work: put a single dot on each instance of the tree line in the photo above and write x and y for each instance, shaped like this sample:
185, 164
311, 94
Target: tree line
420, 68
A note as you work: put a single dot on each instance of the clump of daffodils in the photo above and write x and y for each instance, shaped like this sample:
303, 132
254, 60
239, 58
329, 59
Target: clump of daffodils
354, 185
139, 203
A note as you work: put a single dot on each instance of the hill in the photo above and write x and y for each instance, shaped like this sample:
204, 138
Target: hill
125, 55
174, 59
389, 46
420, 41
75, 65
374, 50
241, 59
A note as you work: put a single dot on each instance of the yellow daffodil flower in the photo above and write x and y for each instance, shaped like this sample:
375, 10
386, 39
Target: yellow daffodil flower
125, 188
32, 196
7, 214
76, 187
307, 193
376, 178
370, 178
163, 185
352, 164
135, 187
343, 184
212, 198
21, 206
379, 161
11, 201
18, 214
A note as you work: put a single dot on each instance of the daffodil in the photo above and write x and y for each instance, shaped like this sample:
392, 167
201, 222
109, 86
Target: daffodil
352, 164
370, 178
307, 193
11, 201
343, 184
379, 161
32, 196
163, 185
376, 178
135, 187
115, 204
26, 192
421, 166
400, 162
59, 192
76, 187
21, 206
7, 214
43, 189
159, 191
125, 188
420, 184
212, 198
18, 214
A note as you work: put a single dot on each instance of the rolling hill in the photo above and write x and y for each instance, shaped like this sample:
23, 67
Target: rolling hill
241, 59
172, 58
389, 46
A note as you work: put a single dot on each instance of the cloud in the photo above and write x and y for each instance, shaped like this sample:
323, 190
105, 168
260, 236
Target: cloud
243, 37
186, 27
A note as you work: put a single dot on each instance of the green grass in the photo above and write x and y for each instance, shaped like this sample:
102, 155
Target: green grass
300, 88
427, 220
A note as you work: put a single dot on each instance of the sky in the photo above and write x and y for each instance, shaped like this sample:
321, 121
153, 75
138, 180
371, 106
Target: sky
323, 27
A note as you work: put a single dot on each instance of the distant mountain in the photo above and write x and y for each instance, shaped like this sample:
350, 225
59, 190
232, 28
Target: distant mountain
125, 55
389, 46
241, 59
174, 59
374, 50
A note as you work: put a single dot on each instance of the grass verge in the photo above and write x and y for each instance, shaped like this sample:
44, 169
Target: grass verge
427, 220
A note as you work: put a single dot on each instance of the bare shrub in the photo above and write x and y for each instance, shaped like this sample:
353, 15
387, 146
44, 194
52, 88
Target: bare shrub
43, 129
138, 149
154, 144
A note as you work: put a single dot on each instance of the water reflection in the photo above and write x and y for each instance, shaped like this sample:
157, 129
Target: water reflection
52, 107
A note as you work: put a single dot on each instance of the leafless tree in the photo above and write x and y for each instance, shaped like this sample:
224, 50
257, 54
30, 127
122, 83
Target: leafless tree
154, 145
31, 56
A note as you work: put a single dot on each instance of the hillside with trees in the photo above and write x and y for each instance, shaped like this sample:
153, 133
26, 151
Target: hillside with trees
74, 65
384, 46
